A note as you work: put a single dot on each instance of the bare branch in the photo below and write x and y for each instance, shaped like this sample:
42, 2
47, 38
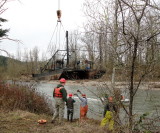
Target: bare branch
122, 17
131, 7
7, 38
140, 17
3, 3
5, 51
153, 36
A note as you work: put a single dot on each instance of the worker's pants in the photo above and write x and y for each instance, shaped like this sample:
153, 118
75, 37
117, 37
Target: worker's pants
83, 112
59, 109
70, 114
108, 120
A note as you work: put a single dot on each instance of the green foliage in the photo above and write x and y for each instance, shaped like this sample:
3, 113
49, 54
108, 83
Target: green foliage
3, 32
2, 20
3, 61
3, 67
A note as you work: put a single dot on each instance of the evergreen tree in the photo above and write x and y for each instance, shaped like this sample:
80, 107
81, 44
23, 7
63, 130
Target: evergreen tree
3, 32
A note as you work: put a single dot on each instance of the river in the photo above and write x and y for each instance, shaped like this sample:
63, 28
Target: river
146, 100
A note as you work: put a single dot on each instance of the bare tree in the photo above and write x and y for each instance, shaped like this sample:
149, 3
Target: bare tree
132, 29
74, 47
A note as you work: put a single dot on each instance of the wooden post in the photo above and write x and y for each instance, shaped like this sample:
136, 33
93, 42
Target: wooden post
67, 49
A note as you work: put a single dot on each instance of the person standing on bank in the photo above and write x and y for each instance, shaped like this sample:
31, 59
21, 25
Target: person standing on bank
83, 106
60, 96
109, 113
70, 108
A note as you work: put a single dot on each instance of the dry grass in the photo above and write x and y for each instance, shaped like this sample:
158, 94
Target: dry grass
21, 107
24, 122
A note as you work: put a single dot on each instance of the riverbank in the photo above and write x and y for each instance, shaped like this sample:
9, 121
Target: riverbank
21, 108
25, 122
14, 120
96, 83
153, 85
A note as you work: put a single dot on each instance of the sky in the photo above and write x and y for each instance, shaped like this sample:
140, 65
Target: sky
33, 22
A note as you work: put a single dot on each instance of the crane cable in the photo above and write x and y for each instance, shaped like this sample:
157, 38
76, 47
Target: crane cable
57, 29
49, 46
58, 4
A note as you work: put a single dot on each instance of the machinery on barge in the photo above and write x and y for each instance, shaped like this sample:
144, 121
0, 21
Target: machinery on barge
66, 63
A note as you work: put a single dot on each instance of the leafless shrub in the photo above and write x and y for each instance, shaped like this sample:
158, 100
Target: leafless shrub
22, 97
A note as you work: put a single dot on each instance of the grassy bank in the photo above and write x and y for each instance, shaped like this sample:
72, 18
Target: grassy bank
26, 122
21, 107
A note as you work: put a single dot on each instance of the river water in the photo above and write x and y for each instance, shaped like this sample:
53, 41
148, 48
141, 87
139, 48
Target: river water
146, 101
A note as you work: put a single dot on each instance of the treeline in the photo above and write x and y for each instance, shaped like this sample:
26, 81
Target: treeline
121, 36
23, 65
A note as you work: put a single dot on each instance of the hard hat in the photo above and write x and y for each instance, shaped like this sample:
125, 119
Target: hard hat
70, 95
110, 99
62, 80
83, 95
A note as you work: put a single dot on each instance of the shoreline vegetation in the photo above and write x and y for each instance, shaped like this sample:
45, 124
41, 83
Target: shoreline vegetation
22, 107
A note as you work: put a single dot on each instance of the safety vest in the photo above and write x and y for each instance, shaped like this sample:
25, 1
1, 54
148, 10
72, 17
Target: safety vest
57, 92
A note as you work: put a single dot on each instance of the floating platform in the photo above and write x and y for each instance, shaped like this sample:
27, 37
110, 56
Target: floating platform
70, 74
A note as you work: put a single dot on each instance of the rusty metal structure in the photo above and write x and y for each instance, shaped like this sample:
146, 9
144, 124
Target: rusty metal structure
64, 63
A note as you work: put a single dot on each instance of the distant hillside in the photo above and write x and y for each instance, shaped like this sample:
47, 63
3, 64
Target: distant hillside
3, 61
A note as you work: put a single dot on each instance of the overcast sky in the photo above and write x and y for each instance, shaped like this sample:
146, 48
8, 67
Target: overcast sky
33, 22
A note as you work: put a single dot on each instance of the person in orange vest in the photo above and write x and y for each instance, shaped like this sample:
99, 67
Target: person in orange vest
109, 112
60, 97
83, 106
70, 108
